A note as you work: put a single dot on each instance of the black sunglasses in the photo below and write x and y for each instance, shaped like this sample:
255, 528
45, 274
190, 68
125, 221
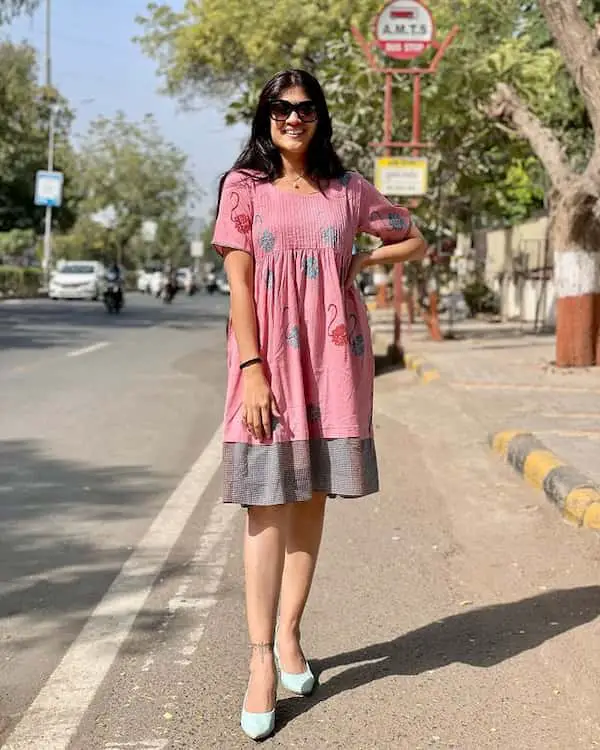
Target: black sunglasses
281, 109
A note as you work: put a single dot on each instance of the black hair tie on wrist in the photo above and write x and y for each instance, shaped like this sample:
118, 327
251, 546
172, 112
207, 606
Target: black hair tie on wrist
249, 362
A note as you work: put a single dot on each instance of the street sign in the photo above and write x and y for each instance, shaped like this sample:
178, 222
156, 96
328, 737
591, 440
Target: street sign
401, 176
197, 249
404, 29
48, 188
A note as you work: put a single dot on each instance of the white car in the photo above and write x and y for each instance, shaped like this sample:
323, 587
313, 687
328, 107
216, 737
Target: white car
157, 281
77, 279
223, 284
143, 281
186, 280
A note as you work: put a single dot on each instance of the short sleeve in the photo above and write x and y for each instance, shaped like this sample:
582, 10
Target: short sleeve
379, 216
233, 227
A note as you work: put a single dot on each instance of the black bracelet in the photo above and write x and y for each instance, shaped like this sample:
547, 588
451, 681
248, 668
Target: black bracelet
249, 362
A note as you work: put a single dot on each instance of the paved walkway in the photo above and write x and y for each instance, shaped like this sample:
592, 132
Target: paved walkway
454, 609
507, 381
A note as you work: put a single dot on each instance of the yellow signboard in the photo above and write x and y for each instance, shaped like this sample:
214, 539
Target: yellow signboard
401, 176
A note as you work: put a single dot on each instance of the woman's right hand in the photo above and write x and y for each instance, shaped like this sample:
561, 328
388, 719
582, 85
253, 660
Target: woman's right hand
258, 405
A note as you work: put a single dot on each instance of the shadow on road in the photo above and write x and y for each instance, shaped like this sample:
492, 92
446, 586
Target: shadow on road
44, 324
481, 638
60, 542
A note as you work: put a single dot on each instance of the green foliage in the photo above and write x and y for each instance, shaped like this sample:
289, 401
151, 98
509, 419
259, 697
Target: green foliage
16, 242
9, 9
128, 174
19, 282
223, 51
218, 48
25, 109
480, 299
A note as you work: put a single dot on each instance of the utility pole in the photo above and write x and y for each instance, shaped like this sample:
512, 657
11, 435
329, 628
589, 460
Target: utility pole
48, 223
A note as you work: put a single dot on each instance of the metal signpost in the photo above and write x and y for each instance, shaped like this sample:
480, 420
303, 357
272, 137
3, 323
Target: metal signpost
402, 30
48, 193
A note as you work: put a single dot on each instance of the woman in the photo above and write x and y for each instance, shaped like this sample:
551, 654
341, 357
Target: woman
298, 417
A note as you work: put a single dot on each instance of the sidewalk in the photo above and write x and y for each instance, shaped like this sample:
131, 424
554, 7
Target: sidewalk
507, 381
452, 610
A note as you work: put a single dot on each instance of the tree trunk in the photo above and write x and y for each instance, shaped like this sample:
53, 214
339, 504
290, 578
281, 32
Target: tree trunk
577, 283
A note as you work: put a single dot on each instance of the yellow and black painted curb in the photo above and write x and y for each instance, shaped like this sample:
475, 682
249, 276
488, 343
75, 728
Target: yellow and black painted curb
575, 495
426, 371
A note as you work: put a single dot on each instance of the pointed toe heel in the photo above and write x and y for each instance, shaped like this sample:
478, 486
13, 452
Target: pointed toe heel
257, 726
302, 683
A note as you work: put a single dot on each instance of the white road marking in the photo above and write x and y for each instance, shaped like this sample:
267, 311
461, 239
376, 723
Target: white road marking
54, 716
88, 349
209, 571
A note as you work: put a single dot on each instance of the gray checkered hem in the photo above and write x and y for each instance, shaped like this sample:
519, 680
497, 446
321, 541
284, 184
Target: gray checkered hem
290, 472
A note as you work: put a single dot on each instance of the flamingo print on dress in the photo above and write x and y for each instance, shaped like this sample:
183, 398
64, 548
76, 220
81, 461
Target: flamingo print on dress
397, 220
267, 241
310, 267
357, 343
331, 236
241, 222
293, 333
339, 334
266, 238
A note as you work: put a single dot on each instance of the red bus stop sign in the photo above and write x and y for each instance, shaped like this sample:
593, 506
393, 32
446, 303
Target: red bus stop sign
404, 29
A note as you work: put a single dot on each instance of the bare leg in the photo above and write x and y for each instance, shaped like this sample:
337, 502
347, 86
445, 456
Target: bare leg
304, 531
264, 549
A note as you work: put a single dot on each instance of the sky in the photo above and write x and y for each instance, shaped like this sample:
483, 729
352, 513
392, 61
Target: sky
94, 58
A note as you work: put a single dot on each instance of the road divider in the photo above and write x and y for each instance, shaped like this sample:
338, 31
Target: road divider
572, 492
426, 371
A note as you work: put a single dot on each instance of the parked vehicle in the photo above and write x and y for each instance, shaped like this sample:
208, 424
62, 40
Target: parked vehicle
186, 280
222, 283
210, 282
156, 283
143, 281
77, 279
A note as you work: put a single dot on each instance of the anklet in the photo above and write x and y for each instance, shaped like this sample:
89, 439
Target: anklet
262, 648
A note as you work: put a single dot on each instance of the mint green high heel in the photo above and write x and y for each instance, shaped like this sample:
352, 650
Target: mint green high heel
257, 726
302, 683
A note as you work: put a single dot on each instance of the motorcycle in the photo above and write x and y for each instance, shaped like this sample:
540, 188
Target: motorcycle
113, 297
169, 291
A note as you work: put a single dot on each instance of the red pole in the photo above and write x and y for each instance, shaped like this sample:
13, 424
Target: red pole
416, 118
382, 298
387, 115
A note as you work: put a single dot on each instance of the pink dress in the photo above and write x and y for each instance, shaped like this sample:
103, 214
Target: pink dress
313, 337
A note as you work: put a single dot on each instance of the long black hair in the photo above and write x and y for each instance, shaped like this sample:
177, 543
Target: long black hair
261, 158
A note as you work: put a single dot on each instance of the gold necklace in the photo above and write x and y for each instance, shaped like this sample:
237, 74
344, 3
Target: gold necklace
295, 182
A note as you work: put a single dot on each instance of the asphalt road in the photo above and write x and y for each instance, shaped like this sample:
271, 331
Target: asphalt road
100, 418
452, 610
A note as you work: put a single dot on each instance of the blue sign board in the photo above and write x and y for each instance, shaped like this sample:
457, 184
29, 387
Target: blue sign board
48, 188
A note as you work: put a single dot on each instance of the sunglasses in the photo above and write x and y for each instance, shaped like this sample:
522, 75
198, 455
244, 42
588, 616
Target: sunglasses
280, 110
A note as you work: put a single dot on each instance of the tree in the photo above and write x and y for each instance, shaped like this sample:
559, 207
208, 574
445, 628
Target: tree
11, 8
204, 49
25, 110
128, 174
504, 67
575, 208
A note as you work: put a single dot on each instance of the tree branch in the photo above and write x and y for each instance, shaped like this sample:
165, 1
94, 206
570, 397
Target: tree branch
506, 105
578, 43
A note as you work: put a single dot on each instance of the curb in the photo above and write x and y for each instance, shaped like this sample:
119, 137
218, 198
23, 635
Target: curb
426, 371
576, 495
